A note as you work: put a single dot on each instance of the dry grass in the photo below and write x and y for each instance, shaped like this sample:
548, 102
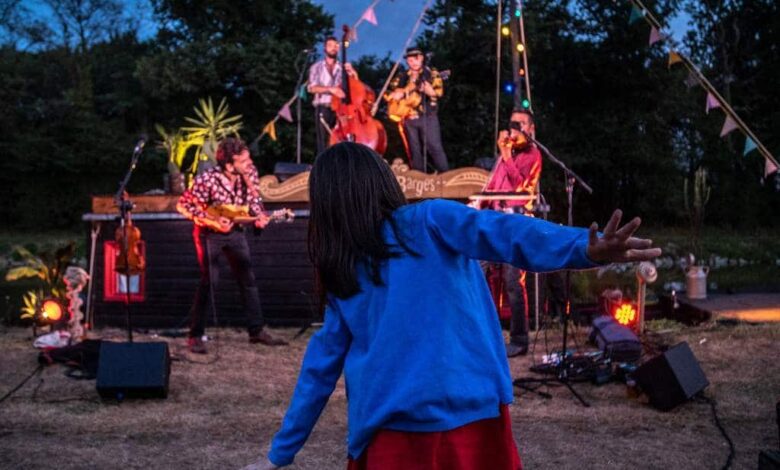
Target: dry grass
222, 415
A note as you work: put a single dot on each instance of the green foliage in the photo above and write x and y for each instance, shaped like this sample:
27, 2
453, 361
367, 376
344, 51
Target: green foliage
47, 269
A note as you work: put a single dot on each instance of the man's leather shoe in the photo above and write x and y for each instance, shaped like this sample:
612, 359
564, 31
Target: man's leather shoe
196, 346
263, 337
513, 350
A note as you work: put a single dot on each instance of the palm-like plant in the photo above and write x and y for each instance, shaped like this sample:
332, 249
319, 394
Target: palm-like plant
176, 144
211, 125
47, 268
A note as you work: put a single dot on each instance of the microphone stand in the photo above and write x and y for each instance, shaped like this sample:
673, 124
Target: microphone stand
125, 206
562, 369
301, 73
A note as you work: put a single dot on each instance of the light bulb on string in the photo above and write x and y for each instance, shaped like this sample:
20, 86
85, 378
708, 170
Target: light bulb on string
520, 47
505, 30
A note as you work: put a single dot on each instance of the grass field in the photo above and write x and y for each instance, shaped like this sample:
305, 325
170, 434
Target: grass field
223, 414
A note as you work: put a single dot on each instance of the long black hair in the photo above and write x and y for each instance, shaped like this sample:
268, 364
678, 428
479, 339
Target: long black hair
352, 192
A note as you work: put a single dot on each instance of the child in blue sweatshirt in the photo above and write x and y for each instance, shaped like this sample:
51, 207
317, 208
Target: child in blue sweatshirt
409, 319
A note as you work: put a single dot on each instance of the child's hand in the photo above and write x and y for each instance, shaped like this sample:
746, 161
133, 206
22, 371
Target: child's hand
617, 244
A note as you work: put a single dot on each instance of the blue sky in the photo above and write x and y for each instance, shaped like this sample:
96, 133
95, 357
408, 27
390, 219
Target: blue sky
395, 21
396, 18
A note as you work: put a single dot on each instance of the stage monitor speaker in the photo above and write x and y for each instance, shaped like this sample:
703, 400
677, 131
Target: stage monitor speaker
133, 370
671, 378
286, 170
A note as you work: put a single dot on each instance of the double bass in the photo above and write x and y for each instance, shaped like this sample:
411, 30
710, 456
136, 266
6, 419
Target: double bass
354, 122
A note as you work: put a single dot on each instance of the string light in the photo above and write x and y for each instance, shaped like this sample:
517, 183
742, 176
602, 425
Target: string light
505, 30
521, 72
509, 87
520, 47
517, 13
526, 104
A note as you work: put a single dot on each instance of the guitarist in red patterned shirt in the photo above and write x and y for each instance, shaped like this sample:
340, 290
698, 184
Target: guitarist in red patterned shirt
233, 182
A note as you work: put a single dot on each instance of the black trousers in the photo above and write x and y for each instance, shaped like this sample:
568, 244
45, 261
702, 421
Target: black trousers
323, 137
514, 286
209, 246
423, 134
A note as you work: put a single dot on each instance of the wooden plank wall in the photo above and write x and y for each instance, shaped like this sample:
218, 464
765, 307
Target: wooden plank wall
284, 275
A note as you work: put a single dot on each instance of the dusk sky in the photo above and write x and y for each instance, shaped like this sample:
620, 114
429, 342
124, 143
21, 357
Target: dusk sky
395, 20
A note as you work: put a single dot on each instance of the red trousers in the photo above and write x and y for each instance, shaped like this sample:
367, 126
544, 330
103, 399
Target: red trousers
485, 444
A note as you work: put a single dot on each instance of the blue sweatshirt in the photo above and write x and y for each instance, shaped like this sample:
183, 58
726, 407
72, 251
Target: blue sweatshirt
424, 351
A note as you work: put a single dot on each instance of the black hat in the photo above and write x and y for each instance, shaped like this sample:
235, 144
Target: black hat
413, 51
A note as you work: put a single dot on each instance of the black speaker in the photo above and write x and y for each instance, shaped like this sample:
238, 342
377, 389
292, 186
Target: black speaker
133, 370
286, 170
671, 378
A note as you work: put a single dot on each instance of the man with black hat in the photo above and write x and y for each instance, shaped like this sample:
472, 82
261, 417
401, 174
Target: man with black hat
421, 87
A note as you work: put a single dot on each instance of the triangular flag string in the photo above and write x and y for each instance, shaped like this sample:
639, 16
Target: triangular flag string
369, 16
728, 125
712, 103
285, 113
674, 58
270, 129
636, 14
695, 77
749, 146
655, 35
769, 168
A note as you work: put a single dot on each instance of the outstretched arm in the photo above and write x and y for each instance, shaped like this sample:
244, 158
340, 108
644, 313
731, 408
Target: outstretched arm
532, 244
321, 369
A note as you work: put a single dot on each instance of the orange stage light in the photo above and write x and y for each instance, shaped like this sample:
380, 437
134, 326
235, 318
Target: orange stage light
625, 314
51, 311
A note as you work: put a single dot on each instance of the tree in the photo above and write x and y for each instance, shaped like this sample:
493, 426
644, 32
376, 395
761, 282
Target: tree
243, 50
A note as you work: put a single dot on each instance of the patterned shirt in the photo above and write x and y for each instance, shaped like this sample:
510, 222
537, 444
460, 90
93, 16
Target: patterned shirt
213, 188
428, 104
319, 75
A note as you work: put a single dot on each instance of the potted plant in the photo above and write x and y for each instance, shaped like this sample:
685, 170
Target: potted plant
696, 195
210, 126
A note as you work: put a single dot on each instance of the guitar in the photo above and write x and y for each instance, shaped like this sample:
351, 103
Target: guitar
399, 110
237, 214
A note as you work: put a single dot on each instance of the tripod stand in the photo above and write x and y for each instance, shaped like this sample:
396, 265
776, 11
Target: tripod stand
562, 368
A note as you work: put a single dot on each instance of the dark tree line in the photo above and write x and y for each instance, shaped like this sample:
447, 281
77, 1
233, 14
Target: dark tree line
76, 91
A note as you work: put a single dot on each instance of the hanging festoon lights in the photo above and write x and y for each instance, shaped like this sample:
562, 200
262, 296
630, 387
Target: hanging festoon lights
522, 95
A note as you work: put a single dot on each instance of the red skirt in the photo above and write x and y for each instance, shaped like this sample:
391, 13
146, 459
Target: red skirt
484, 444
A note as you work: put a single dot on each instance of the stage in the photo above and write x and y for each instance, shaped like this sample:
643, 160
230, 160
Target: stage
751, 308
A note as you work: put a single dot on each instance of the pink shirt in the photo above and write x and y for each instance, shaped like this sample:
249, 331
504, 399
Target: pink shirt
520, 174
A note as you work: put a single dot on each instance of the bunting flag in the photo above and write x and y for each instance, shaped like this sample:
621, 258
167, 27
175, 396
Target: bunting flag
728, 126
655, 35
749, 146
636, 15
692, 80
369, 16
285, 114
352, 35
302, 93
769, 168
712, 103
674, 58
270, 129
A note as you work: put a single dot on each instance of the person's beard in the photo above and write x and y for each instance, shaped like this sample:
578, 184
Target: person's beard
332, 55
